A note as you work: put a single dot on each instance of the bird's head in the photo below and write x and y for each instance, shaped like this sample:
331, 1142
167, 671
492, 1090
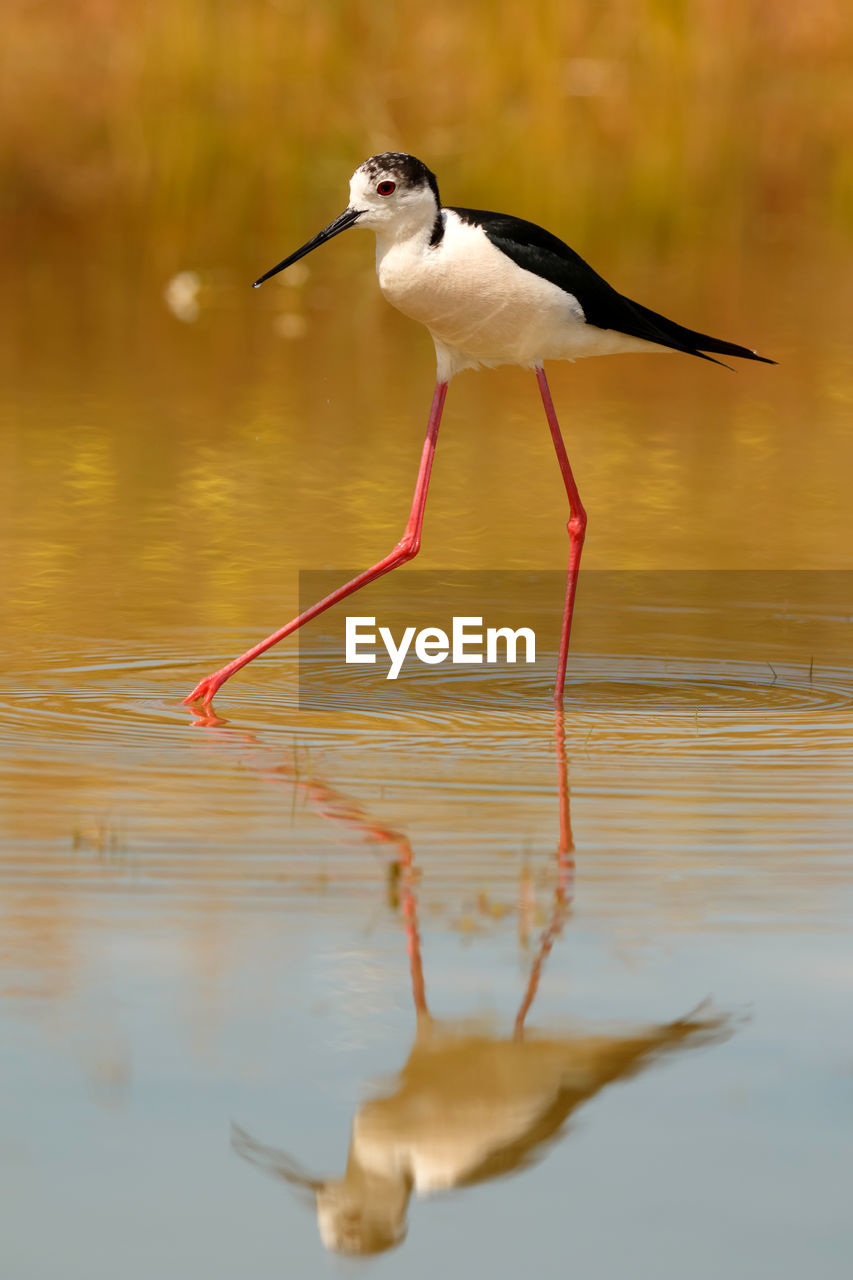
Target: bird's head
393, 194
394, 190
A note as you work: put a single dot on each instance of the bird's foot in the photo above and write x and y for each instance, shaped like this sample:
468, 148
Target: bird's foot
205, 689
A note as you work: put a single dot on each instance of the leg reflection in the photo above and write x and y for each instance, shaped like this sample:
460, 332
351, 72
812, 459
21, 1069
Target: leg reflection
565, 875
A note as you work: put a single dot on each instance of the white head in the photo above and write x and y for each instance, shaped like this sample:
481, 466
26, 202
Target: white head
394, 194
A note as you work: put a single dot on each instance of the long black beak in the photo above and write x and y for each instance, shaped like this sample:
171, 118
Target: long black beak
344, 220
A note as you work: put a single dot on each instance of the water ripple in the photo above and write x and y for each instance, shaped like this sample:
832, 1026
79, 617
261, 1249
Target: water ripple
630, 704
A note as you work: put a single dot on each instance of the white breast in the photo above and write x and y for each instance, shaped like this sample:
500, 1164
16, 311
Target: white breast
481, 308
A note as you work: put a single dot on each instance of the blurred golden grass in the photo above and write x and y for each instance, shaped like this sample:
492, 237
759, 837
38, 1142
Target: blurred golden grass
206, 122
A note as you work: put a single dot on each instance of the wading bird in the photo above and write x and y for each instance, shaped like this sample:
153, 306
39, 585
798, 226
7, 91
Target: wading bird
491, 289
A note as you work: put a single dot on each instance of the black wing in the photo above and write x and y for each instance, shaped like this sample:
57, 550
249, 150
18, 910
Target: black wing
536, 250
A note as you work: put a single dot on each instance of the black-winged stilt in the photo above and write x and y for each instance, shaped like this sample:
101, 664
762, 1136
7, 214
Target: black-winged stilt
491, 289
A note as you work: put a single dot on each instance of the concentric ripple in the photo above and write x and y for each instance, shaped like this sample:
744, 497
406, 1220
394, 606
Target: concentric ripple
635, 703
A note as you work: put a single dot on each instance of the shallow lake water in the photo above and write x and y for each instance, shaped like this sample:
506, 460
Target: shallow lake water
428, 971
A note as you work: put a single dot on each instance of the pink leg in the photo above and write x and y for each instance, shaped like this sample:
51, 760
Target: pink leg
406, 549
576, 527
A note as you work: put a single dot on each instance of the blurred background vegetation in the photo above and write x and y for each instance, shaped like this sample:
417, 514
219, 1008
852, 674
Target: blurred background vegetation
187, 131
158, 417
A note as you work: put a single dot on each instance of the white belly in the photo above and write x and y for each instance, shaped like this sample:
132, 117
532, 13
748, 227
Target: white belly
483, 309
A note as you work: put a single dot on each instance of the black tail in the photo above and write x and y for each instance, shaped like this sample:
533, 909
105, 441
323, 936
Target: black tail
656, 328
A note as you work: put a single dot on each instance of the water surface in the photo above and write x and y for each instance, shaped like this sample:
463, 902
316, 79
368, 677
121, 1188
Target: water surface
220, 935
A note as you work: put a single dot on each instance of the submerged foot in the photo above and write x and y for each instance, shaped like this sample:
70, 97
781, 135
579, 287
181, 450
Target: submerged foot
205, 690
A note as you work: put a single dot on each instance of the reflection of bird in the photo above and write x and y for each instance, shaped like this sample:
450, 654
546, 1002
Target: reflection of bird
492, 290
468, 1106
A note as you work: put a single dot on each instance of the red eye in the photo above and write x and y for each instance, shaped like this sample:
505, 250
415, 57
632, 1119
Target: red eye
385, 188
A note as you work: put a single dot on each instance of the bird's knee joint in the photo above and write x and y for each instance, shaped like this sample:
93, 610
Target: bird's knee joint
577, 525
408, 547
